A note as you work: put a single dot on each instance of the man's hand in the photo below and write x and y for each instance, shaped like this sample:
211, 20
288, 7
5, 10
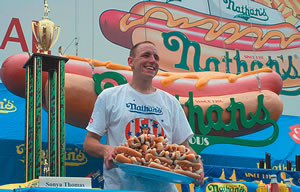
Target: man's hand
93, 147
109, 154
201, 180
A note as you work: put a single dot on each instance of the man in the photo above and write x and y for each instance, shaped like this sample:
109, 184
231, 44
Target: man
118, 109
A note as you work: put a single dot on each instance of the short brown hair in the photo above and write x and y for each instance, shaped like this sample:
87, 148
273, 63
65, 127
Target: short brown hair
133, 49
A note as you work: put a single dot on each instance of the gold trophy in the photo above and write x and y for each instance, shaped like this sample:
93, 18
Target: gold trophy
45, 31
38, 64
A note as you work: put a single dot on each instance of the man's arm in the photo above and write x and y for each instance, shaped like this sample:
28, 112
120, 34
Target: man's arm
93, 147
187, 145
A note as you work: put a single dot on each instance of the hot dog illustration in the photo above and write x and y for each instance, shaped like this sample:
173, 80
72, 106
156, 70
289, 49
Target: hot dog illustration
198, 83
191, 41
208, 88
200, 27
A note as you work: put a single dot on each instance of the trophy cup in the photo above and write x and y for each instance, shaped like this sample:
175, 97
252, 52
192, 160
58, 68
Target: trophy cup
45, 31
38, 63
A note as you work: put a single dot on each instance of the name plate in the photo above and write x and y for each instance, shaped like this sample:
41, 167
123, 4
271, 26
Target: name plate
65, 182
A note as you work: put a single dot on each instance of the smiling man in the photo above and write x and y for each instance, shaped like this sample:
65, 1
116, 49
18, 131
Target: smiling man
120, 111
144, 62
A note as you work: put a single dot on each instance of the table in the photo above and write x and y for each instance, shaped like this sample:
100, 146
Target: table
45, 189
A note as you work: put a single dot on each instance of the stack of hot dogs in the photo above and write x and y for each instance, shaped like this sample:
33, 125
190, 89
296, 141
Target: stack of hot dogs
151, 151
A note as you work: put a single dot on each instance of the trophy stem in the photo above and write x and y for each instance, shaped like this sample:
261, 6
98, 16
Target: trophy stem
54, 65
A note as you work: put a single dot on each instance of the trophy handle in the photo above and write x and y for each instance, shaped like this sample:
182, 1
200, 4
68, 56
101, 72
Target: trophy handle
33, 31
33, 24
57, 35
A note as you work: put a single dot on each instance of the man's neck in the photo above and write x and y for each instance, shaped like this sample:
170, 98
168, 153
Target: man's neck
144, 87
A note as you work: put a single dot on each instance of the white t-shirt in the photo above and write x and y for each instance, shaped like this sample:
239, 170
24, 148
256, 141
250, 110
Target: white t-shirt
120, 111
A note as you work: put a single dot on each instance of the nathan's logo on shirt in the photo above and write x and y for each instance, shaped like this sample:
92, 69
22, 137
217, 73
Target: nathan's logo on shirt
144, 109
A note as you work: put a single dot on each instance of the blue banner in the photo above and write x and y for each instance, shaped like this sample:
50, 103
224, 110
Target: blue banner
250, 174
285, 147
221, 185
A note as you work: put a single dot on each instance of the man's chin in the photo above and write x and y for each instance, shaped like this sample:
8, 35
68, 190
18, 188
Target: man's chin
151, 75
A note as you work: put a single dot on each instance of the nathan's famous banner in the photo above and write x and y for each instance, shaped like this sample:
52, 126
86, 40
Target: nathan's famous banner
218, 162
212, 35
233, 65
78, 163
251, 175
247, 180
215, 184
219, 178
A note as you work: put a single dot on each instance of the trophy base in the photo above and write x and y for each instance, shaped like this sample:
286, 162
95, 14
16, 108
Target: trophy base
49, 62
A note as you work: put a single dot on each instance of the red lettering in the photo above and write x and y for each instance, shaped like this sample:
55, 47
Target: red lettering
259, 57
20, 39
217, 101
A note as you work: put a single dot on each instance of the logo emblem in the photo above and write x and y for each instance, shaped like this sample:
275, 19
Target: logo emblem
91, 120
139, 126
295, 133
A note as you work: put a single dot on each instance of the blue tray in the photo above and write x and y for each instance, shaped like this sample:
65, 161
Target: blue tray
154, 174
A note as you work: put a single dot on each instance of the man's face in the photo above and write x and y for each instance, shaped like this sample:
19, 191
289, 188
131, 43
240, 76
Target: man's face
146, 61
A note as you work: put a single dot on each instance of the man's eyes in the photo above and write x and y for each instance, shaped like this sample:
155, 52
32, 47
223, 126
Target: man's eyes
148, 55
